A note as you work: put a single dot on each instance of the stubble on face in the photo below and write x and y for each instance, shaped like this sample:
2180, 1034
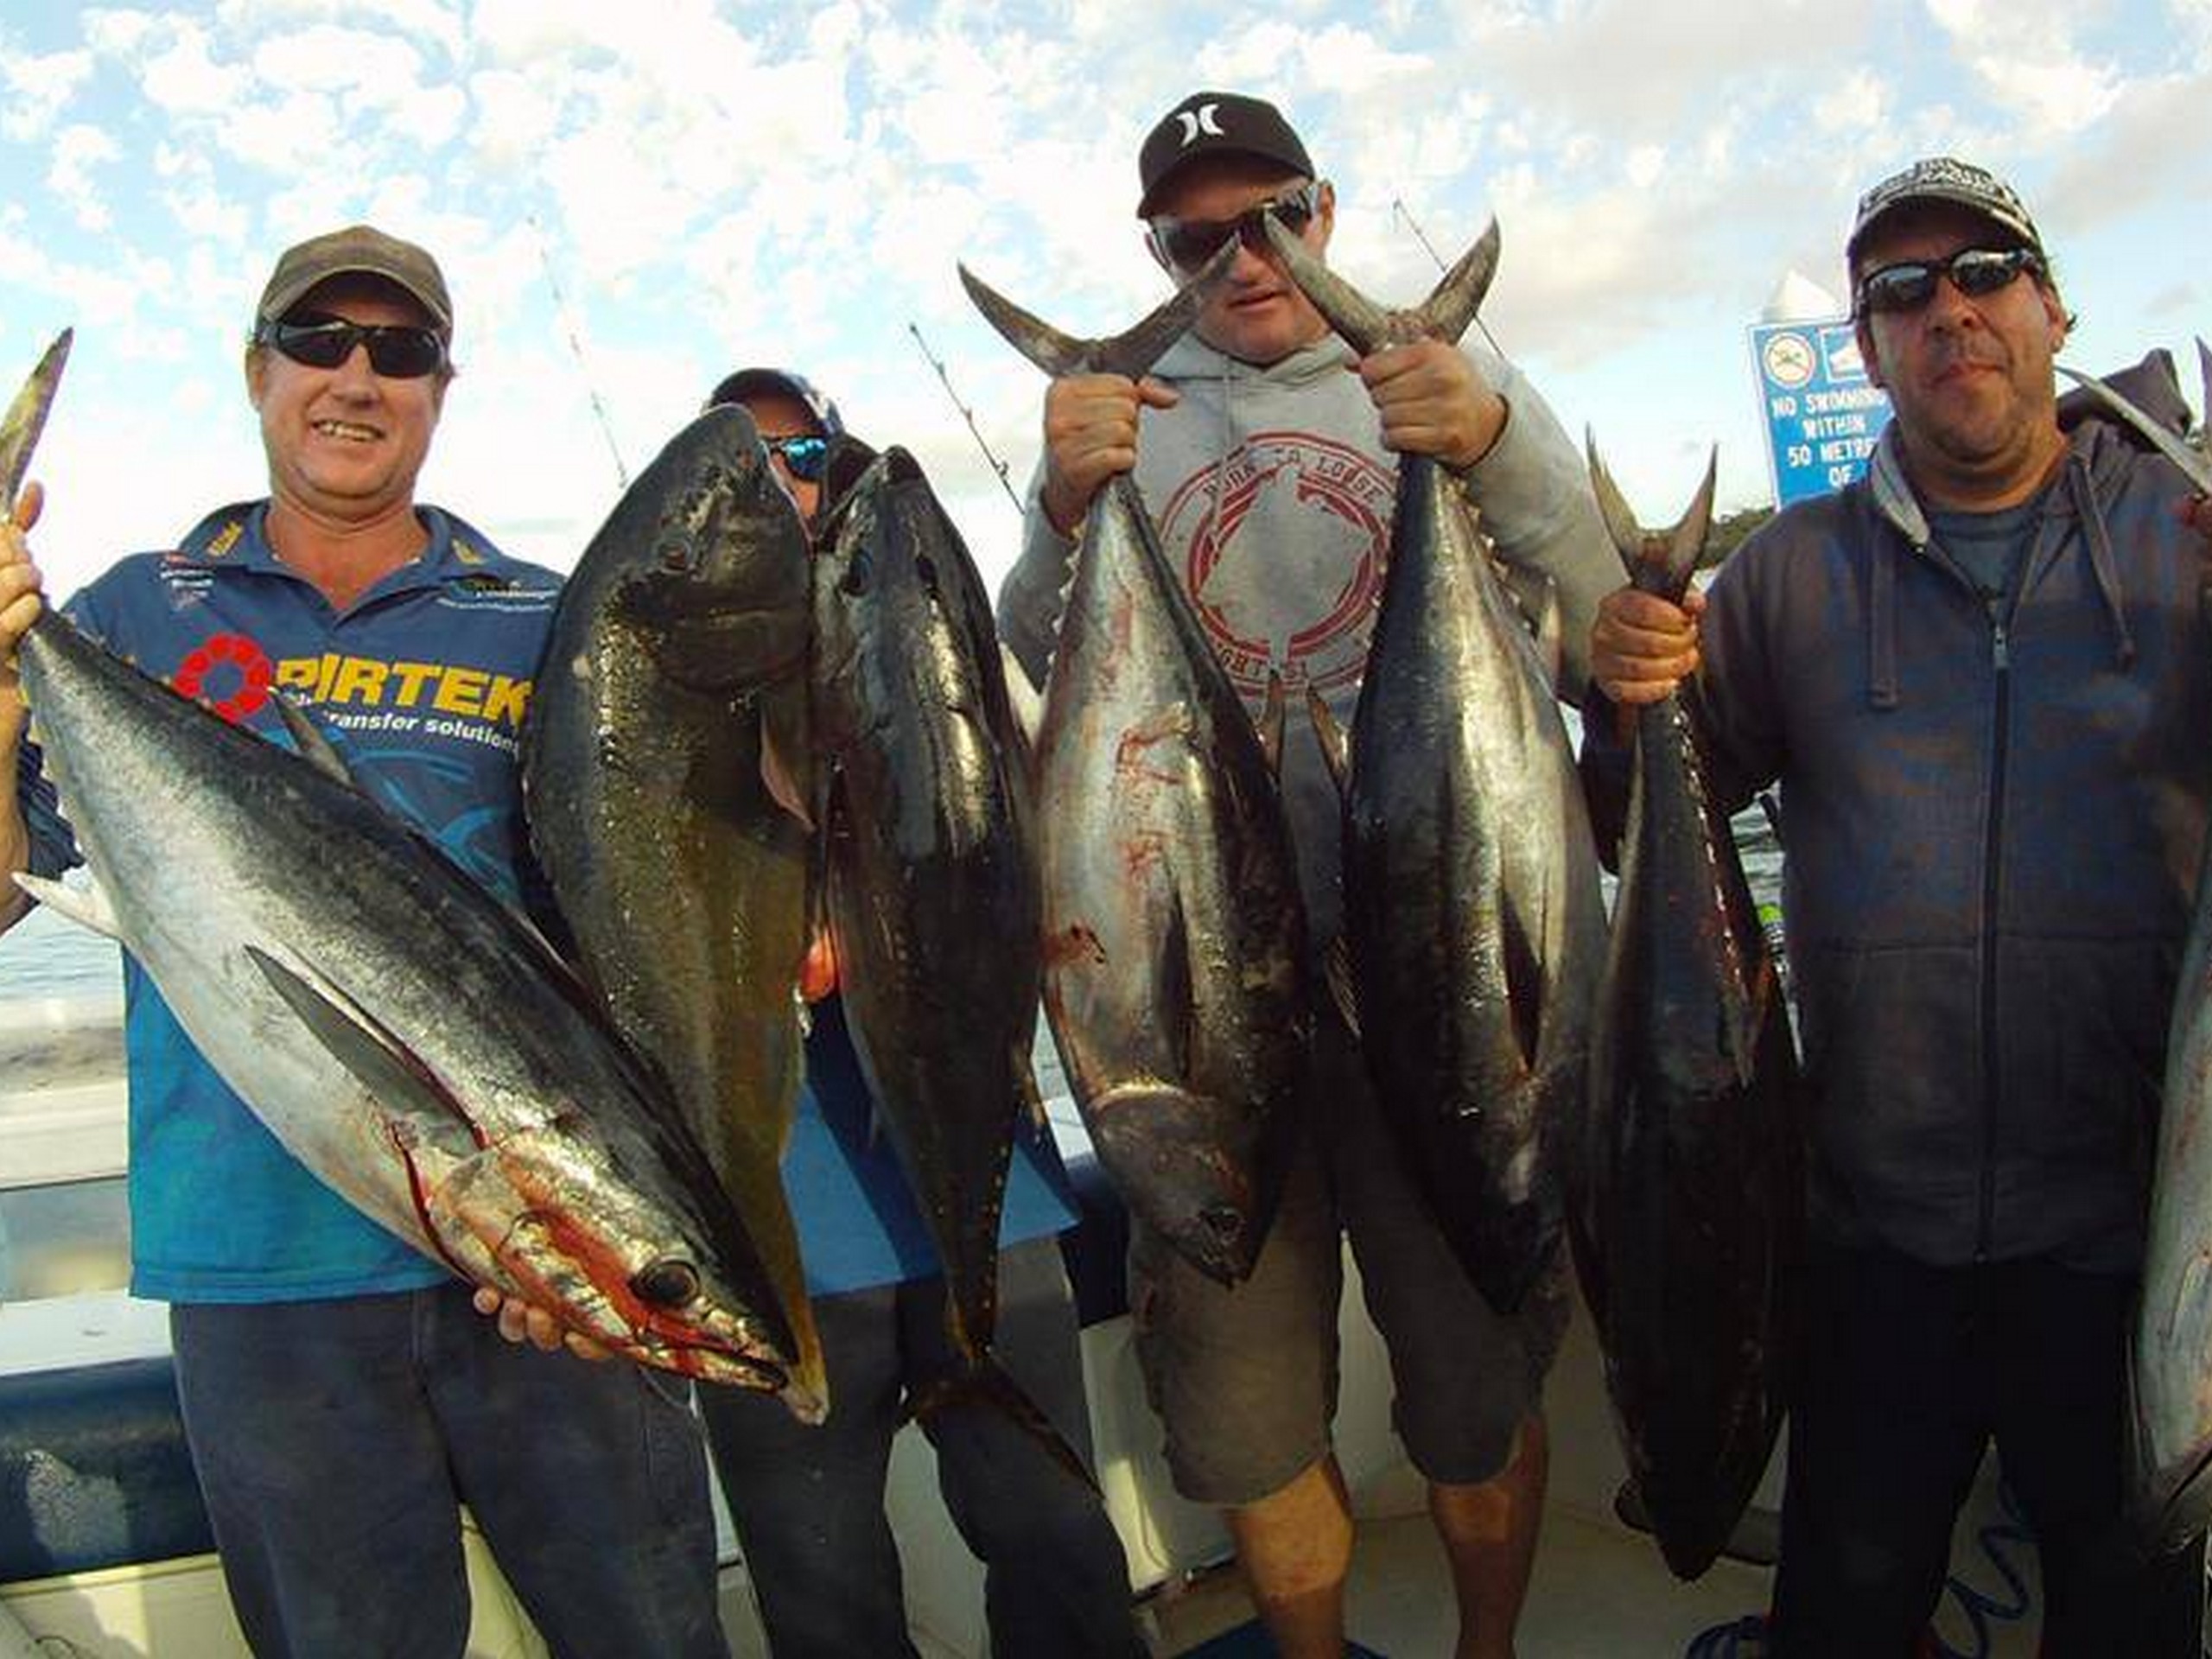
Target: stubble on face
1969, 380
345, 445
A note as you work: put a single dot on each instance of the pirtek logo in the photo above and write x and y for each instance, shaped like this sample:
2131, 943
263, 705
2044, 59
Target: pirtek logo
1198, 121
447, 687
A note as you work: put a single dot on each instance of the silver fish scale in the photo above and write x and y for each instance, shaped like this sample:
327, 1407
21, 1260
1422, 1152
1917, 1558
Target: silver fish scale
205, 841
1155, 804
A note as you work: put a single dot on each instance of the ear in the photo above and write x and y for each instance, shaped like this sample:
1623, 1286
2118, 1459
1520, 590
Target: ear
257, 374
1326, 214
1862, 328
2053, 310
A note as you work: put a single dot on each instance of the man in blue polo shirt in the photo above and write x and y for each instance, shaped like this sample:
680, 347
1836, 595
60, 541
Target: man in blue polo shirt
808, 1502
342, 1397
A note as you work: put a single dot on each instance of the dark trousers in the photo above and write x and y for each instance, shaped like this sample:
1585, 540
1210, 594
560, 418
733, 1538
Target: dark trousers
1910, 1371
336, 1440
808, 1502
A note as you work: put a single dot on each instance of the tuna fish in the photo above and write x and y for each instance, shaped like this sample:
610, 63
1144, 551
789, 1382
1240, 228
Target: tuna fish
928, 843
2170, 1364
398, 1029
667, 781
1691, 1181
1472, 914
1175, 952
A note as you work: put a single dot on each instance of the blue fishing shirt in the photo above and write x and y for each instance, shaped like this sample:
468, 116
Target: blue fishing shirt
422, 684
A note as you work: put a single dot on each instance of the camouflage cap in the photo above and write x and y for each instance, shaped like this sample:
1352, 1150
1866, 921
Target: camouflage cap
359, 250
1944, 178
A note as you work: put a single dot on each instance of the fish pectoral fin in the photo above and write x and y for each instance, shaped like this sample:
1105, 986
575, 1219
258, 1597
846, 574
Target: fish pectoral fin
785, 771
1022, 696
1524, 981
1177, 999
374, 1058
1550, 636
313, 747
86, 906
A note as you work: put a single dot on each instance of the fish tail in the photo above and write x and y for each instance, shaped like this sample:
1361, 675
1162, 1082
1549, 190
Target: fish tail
987, 1384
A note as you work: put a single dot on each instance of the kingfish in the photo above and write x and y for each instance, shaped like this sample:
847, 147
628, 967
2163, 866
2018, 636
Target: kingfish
1174, 934
1690, 1203
667, 781
1473, 919
402, 1033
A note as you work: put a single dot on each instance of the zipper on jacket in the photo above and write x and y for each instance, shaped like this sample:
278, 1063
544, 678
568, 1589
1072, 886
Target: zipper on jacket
2000, 660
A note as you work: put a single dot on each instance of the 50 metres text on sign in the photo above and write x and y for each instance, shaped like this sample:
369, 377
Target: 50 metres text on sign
1823, 413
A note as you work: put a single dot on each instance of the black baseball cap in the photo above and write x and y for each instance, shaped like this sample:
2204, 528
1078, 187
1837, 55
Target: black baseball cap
1215, 123
1945, 179
732, 389
359, 250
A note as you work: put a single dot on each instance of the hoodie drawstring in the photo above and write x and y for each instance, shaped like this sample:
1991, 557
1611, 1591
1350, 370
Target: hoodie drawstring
1881, 626
2100, 559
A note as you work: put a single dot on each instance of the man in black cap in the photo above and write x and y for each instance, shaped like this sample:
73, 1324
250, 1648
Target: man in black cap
807, 1501
1270, 467
341, 1399
1980, 675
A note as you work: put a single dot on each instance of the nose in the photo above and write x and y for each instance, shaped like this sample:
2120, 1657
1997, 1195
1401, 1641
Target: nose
354, 376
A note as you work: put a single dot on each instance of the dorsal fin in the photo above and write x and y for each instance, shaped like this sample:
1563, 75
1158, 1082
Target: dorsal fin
1129, 354
1368, 328
1335, 741
1270, 723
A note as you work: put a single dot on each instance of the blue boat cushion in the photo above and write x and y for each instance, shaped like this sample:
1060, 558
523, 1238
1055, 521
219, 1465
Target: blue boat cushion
94, 1471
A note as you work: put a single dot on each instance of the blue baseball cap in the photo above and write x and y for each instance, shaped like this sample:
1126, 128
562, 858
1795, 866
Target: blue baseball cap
733, 388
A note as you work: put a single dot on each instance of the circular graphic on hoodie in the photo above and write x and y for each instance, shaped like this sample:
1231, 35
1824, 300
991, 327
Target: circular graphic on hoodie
229, 672
1283, 545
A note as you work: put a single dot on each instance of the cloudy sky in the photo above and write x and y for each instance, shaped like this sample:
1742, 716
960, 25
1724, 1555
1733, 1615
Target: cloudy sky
630, 199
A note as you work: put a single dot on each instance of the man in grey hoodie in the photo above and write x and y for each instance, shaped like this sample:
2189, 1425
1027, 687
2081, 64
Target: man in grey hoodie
1267, 455
1981, 676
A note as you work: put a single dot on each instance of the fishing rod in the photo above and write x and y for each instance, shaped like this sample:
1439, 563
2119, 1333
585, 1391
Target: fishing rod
966, 413
567, 320
1399, 210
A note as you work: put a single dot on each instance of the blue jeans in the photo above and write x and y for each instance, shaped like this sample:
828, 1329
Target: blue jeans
336, 1440
808, 1502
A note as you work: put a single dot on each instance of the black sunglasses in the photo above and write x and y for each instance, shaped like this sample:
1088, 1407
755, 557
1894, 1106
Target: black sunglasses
1187, 244
802, 453
1974, 271
397, 351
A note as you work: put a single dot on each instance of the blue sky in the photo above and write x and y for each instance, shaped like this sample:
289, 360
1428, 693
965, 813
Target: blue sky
712, 184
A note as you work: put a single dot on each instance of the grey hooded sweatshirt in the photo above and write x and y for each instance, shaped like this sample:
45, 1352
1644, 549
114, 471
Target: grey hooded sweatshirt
1273, 494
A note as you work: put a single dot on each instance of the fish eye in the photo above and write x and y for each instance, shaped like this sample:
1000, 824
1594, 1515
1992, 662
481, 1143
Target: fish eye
671, 1283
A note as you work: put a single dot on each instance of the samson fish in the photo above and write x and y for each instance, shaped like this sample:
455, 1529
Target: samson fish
2171, 1360
666, 778
1691, 1174
1473, 919
928, 843
394, 1025
1175, 952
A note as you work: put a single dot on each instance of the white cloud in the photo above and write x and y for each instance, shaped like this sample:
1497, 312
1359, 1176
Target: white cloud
79, 151
36, 87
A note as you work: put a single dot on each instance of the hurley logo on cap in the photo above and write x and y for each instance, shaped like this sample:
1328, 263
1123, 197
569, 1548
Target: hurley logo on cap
1200, 120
